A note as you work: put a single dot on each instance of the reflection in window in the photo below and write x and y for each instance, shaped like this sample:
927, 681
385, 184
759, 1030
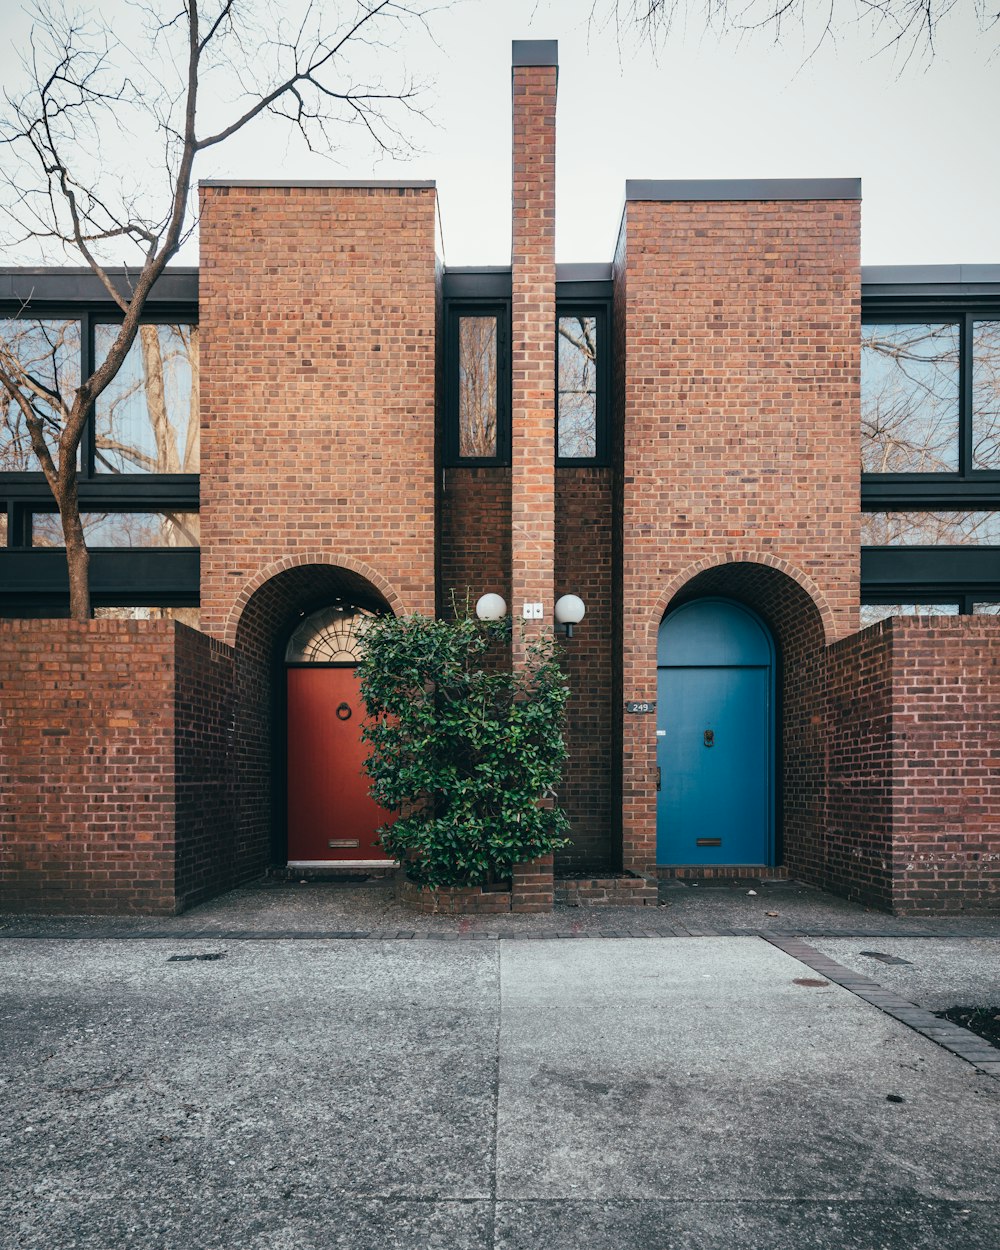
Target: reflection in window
147, 419
186, 616
939, 529
909, 398
986, 609
478, 386
986, 395
42, 359
577, 388
333, 635
121, 529
872, 612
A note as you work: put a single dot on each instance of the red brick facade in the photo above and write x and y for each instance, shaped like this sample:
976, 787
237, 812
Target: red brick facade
318, 319
143, 763
114, 774
738, 401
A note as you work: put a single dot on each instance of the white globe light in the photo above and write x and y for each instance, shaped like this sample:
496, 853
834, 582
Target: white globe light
570, 610
491, 608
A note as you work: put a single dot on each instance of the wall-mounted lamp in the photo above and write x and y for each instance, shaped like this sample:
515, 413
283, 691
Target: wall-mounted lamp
491, 608
569, 612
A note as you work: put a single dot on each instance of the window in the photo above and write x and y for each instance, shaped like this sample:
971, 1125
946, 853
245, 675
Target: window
478, 394
872, 612
121, 529
986, 395
931, 529
581, 393
930, 452
147, 419
43, 357
930, 396
186, 616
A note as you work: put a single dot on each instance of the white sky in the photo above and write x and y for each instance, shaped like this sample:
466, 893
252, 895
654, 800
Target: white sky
921, 137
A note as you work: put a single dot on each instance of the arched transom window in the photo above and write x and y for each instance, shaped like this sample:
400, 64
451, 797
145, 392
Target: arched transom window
333, 635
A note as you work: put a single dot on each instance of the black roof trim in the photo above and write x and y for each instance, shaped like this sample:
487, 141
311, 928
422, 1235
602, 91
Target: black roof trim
958, 281
534, 52
599, 272
347, 184
177, 285
743, 189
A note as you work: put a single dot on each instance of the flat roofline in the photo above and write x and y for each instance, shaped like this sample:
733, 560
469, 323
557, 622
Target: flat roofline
534, 52
928, 275
347, 184
73, 284
742, 189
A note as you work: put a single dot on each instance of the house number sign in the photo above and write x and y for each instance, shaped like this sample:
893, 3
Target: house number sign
639, 708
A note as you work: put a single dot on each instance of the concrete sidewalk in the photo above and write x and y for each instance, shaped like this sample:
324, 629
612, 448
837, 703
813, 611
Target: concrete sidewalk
302, 1093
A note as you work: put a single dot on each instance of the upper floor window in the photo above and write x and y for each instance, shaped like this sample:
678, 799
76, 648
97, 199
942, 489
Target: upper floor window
579, 336
478, 394
146, 421
930, 396
42, 356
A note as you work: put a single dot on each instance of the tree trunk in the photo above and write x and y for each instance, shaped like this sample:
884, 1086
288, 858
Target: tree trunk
77, 555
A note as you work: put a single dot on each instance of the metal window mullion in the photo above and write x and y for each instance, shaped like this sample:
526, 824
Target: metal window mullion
88, 443
965, 396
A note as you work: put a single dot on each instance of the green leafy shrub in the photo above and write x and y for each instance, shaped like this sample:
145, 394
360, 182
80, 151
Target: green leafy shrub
468, 752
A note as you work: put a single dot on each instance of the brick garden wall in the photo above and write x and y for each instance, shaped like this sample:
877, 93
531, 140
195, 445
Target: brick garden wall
946, 741
209, 857
853, 851
739, 394
105, 780
913, 765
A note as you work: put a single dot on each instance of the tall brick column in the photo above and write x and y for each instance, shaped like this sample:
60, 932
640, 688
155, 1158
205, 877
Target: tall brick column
533, 276
533, 374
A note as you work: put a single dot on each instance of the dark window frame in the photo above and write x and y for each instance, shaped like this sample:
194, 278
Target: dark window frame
601, 309
965, 482
471, 306
25, 491
934, 574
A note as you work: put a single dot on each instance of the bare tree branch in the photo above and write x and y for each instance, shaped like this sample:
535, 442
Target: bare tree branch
88, 78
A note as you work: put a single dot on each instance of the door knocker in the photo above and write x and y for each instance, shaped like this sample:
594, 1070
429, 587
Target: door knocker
344, 711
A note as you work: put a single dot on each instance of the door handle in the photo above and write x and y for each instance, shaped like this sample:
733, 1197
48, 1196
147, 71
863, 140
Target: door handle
710, 737
658, 777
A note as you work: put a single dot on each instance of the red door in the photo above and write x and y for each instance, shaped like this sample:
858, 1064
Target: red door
331, 815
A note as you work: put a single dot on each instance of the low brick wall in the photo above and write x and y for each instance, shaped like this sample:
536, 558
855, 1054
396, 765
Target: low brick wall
946, 774
530, 892
455, 900
605, 892
912, 717
113, 777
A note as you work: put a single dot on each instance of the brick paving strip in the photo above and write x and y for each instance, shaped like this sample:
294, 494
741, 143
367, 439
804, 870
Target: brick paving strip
951, 1037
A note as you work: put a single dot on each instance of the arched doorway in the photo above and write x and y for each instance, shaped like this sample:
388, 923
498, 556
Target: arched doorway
331, 816
715, 736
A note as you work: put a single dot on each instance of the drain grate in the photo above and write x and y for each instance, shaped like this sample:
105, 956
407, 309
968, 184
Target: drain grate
886, 959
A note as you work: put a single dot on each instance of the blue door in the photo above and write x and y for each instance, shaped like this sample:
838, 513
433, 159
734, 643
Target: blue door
715, 736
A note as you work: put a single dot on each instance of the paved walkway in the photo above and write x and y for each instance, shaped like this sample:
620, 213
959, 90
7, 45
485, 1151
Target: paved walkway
457, 1088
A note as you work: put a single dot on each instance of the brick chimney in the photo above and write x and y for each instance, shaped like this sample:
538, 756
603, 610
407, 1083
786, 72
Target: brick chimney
533, 265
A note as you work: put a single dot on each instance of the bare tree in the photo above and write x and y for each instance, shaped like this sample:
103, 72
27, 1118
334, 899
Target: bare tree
89, 82
908, 27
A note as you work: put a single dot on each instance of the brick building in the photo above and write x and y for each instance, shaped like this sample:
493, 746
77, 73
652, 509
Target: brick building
733, 443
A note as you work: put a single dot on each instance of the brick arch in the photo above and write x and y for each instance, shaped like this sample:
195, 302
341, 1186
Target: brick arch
684, 580
348, 563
